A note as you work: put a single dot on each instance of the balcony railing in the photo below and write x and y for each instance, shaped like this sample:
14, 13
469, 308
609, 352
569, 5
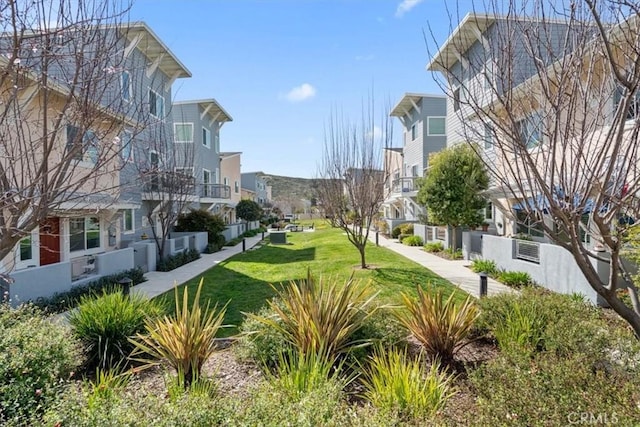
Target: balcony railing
168, 182
404, 185
214, 191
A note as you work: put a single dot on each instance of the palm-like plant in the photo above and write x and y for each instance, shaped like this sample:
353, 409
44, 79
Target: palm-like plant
184, 340
321, 316
440, 326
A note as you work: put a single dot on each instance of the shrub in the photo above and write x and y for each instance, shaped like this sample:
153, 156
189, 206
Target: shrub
484, 266
439, 326
515, 279
554, 389
203, 220
401, 237
406, 228
453, 253
412, 241
104, 323
434, 247
396, 231
37, 356
184, 340
178, 260
521, 331
321, 315
393, 383
64, 301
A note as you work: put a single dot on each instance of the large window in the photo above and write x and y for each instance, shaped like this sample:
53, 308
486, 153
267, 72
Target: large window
156, 104
84, 233
26, 251
206, 137
530, 131
128, 221
183, 132
436, 125
125, 85
83, 147
126, 147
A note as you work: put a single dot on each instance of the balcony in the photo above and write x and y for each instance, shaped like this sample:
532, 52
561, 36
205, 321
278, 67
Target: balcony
404, 185
214, 191
157, 184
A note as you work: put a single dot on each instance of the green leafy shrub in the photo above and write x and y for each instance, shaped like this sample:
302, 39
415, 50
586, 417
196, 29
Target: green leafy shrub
434, 247
452, 253
184, 340
321, 315
440, 326
406, 228
178, 260
203, 220
104, 323
37, 356
515, 279
394, 383
522, 331
484, 265
396, 231
412, 241
63, 301
554, 389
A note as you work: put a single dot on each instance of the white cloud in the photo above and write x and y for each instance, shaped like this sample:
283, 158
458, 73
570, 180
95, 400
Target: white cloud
405, 6
300, 93
369, 57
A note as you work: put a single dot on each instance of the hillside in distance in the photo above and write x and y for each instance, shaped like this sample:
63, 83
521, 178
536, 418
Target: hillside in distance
283, 187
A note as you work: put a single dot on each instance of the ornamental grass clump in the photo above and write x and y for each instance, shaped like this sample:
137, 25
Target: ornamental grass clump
184, 340
105, 322
321, 315
440, 326
394, 383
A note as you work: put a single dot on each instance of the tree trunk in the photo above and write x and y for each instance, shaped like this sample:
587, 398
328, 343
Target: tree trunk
363, 262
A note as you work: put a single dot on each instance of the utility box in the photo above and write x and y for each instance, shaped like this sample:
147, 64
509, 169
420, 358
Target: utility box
278, 237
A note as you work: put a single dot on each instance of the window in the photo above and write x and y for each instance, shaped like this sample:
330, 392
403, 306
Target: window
217, 144
530, 130
154, 159
84, 233
456, 99
126, 147
83, 149
206, 137
488, 211
413, 132
156, 104
488, 76
529, 224
206, 180
125, 85
128, 221
488, 137
414, 170
225, 180
26, 251
183, 132
435, 125
236, 187
184, 171
634, 106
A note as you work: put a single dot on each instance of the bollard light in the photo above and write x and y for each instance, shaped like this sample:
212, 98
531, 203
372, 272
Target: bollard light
377, 238
244, 244
126, 284
483, 284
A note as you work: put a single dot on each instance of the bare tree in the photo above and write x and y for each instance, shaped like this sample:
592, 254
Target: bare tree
60, 117
351, 180
555, 96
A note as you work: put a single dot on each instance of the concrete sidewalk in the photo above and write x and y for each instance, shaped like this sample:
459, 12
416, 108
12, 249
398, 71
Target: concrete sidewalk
454, 271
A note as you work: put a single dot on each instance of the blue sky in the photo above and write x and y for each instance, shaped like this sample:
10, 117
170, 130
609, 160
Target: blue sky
279, 66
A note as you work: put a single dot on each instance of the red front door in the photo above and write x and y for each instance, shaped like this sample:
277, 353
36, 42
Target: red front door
50, 241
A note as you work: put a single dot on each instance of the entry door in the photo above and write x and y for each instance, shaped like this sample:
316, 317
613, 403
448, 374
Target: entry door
50, 241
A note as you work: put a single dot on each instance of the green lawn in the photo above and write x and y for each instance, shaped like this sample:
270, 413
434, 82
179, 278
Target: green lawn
244, 280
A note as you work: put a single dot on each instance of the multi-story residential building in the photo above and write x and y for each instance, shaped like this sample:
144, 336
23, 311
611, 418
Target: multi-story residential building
257, 183
86, 236
231, 175
196, 130
423, 119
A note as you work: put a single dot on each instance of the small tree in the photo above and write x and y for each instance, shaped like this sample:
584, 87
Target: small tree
351, 182
203, 220
452, 189
248, 210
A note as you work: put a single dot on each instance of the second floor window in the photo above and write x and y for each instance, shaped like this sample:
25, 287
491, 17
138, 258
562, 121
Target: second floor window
530, 130
156, 104
456, 99
126, 147
83, 147
236, 187
634, 106
206, 137
488, 137
125, 85
436, 125
183, 132
413, 132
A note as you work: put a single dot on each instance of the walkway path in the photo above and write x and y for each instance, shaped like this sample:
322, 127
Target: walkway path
454, 271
